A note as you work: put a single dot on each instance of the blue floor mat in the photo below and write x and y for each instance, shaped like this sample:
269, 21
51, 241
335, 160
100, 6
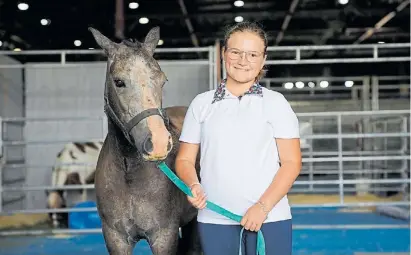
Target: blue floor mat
306, 239
305, 242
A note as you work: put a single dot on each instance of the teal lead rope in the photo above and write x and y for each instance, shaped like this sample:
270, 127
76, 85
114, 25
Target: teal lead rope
210, 205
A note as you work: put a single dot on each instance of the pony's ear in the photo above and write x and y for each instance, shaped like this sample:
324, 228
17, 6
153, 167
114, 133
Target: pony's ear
106, 44
151, 40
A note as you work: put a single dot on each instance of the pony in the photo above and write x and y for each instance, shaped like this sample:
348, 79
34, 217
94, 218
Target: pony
135, 200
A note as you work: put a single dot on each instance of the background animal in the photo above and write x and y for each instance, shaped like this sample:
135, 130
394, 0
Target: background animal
75, 165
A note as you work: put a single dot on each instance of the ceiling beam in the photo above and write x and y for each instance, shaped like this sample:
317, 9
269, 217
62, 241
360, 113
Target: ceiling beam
188, 23
213, 6
268, 14
293, 39
119, 20
286, 21
350, 33
383, 21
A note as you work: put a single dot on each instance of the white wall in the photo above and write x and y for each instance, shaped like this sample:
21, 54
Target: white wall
11, 105
78, 92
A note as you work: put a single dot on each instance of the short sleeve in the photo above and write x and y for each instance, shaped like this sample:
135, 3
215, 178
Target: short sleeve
191, 130
283, 119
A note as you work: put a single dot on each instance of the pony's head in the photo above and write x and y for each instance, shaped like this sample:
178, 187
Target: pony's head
133, 93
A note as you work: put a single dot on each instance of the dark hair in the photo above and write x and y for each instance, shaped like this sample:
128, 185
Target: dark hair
252, 27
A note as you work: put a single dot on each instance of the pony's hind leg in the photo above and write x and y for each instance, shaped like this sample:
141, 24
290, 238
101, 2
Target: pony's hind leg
116, 243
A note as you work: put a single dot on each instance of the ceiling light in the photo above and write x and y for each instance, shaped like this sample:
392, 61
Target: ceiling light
17, 49
77, 43
133, 5
311, 84
1, 43
45, 22
380, 42
238, 19
299, 84
288, 85
343, 1
349, 84
91, 48
239, 3
23, 6
323, 84
143, 20
160, 42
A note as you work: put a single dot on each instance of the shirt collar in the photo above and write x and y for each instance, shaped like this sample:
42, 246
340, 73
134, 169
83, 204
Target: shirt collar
221, 91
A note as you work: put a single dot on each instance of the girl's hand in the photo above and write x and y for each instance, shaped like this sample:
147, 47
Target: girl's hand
199, 198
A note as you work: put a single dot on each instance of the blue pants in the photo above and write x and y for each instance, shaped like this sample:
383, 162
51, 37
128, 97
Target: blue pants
225, 239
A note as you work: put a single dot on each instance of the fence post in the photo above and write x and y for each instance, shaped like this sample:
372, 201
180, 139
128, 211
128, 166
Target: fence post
375, 87
1, 164
340, 159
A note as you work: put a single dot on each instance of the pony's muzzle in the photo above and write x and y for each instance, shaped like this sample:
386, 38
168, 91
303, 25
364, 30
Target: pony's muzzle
148, 147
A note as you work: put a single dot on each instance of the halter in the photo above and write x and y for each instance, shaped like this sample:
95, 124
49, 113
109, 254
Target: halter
126, 127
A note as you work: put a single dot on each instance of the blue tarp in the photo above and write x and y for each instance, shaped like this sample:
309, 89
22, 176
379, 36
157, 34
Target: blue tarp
82, 220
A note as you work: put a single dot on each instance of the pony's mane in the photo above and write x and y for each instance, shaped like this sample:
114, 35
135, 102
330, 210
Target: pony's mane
131, 42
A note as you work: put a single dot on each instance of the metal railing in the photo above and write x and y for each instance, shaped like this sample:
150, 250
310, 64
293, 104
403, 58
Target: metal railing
315, 162
393, 52
340, 156
382, 87
364, 53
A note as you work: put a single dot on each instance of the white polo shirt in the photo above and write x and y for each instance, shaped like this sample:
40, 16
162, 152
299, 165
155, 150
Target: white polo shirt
239, 156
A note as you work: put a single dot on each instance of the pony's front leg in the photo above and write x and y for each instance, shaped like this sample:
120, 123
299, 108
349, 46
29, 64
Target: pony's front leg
117, 244
164, 241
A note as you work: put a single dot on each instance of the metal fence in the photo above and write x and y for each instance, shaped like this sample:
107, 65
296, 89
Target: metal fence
71, 84
337, 150
348, 152
378, 87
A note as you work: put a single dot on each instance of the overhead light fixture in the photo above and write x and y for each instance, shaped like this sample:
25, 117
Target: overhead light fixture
323, 84
1, 43
311, 84
77, 43
238, 3
133, 5
288, 85
160, 42
343, 2
349, 84
23, 6
17, 49
299, 84
45, 22
143, 20
238, 19
381, 42
91, 48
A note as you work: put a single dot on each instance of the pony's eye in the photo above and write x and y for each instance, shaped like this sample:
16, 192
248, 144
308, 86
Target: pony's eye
119, 83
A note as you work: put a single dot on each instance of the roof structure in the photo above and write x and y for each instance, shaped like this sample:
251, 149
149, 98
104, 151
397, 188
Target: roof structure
191, 23
297, 22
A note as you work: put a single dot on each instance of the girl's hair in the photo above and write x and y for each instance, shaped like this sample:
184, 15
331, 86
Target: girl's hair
252, 27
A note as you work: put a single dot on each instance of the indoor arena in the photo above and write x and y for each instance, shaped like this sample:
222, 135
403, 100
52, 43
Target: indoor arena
343, 65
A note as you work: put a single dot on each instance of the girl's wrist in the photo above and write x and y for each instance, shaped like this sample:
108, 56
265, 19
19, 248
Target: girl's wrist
193, 184
263, 207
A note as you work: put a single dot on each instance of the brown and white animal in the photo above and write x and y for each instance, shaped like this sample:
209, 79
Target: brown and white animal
75, 165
